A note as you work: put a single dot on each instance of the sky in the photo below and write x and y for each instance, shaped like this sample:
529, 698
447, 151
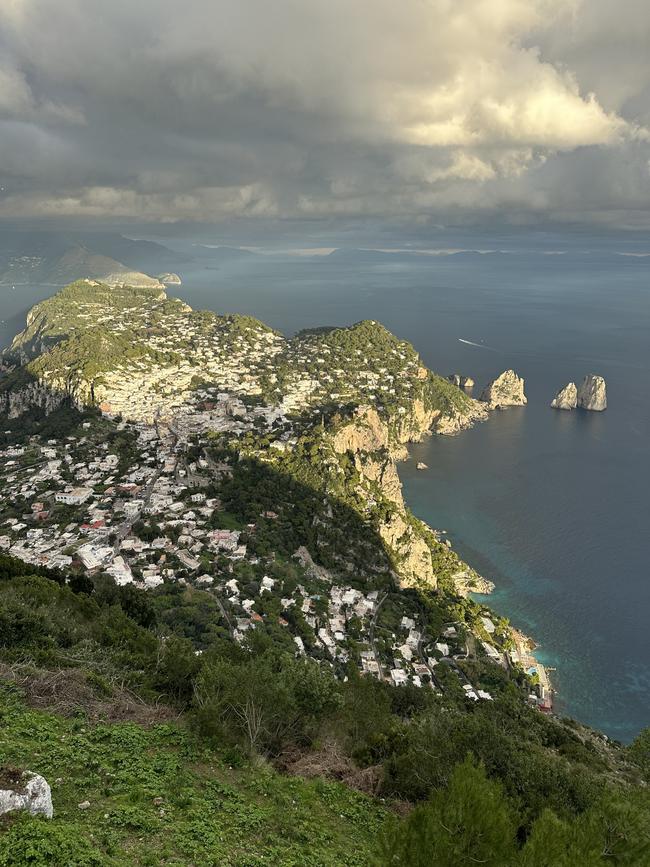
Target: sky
430, 111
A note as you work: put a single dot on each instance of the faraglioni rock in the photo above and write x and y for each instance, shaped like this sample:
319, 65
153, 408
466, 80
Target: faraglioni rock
592, 394
461, 381
505, 390
566, 398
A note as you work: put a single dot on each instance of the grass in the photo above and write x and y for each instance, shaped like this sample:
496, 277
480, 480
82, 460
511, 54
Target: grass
158, 796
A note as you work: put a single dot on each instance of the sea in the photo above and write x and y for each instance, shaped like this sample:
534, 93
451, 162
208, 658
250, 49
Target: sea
552, 506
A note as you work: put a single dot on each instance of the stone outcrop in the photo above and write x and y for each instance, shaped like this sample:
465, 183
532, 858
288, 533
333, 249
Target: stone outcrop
592, 394
24, 790
411, 553
467, 580
169, 279
366, 438
461, 381
365, 432
506, 390
566, 398
37, 394
454, 422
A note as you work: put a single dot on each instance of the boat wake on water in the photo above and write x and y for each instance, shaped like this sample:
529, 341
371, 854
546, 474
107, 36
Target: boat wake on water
479, 345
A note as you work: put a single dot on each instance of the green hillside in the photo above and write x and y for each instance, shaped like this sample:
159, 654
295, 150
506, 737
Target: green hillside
186, 759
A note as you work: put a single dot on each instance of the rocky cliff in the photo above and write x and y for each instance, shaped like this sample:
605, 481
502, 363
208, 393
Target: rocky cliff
18, 400
506, 390
566, 398
367, 439
592, 394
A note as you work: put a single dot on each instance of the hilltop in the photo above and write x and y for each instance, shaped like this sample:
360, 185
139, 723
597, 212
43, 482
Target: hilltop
74, 343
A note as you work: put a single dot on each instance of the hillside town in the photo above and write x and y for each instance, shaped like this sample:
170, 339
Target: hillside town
172, 401
137, 510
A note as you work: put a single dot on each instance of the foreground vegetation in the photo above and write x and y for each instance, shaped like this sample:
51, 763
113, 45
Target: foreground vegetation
160, 795
179, 755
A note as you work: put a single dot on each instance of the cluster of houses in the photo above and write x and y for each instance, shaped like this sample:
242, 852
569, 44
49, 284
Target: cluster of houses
181, 350
145, 515
81, 481
69, 503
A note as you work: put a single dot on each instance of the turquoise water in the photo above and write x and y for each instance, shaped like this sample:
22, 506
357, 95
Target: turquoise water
552, 506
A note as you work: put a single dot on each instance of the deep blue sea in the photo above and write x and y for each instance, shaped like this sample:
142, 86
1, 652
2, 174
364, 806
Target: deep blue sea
554, 507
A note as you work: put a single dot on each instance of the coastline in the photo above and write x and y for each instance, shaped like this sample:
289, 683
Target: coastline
470, 583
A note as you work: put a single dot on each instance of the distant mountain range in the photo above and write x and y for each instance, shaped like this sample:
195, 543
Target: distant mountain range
62, 257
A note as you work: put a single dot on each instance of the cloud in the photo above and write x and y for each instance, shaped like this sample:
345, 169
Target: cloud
221, 108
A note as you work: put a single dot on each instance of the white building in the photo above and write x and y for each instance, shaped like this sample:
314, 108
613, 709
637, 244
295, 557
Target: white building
75, 497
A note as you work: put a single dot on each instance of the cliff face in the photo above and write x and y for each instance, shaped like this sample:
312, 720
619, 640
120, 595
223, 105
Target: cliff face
375, 446
367, 439
455, 422
364, 433
566, 398
17, 401
506, 390
592, 394
411, 554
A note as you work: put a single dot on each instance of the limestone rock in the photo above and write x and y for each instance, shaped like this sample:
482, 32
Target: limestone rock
566, 398
35, 394
592, 394
366, 432
380, 468
506, 390
25, 791
454, 421
461, 381
411, 552
169, 279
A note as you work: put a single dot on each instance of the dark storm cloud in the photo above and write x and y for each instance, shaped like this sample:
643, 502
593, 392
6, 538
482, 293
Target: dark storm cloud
324, 108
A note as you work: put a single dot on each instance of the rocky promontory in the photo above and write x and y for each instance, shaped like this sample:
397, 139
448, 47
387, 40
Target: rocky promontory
506, 390
566, 398
592, 394
169, 279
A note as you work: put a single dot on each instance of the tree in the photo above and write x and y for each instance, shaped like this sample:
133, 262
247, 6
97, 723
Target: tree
639, 752
177, 667
470, 822
266, 701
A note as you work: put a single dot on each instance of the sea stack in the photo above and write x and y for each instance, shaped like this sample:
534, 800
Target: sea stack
461, 381
505, 390
566, 398
592, 394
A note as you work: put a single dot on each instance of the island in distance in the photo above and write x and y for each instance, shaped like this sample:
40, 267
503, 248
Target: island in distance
591, 395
